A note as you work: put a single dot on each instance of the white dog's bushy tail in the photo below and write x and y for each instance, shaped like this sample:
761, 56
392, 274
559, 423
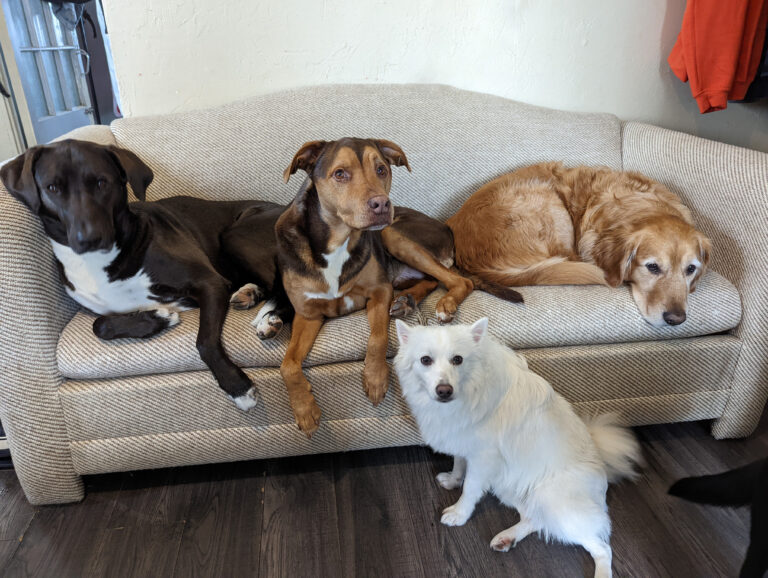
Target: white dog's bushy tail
617, 446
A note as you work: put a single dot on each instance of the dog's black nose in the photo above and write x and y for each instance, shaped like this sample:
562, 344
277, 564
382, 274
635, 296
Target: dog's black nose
674, 317
444, 391
379, 205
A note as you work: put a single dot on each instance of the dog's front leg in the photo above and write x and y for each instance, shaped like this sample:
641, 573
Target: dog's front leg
305, 408
376, 371
453, 479
213, 301
475, 484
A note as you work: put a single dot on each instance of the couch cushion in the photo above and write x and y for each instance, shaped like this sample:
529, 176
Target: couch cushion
455, 141
550, 317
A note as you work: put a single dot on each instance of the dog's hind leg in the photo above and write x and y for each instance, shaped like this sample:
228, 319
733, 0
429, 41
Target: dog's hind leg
416, 256
509, 538
600, 550
138, 324
453, 479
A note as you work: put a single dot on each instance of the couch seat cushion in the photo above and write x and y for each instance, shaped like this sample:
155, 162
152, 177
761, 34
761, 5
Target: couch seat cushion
550, 317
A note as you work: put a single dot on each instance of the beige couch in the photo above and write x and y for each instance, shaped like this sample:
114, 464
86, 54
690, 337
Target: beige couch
73, 405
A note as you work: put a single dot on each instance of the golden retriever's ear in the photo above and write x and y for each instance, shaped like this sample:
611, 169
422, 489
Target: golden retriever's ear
705, 246
614, 253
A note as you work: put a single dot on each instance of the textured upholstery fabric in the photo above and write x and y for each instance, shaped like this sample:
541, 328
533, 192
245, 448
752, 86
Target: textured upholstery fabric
727, 189
552, 316
179, 402
455, 141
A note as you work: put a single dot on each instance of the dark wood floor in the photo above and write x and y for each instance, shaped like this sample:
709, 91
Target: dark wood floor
373, 513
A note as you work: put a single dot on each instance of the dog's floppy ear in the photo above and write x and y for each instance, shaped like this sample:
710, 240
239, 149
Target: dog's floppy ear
614, 253
705, 247
18, 176
403, 331
478, 329
393, 153
305, 159
134, 170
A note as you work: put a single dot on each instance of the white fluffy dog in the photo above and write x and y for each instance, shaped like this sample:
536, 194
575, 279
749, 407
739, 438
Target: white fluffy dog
510, 433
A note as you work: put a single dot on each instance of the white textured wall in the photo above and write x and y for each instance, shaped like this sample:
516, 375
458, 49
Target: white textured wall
590, 55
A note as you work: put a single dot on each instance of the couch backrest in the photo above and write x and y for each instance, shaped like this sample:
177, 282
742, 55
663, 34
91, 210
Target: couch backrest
455, 141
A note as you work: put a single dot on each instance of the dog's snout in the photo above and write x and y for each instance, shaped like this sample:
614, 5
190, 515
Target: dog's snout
444, 391
675, 317
379, 205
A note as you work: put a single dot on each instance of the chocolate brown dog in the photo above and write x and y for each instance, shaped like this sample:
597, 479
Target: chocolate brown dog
341, 247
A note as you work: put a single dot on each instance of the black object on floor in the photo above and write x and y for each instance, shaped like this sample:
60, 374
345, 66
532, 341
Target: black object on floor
5, 453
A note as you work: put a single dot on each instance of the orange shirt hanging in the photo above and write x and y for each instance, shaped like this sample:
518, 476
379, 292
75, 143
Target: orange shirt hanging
719, 49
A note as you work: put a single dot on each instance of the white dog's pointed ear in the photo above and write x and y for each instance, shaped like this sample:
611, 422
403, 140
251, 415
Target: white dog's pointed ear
403, 331
479, 329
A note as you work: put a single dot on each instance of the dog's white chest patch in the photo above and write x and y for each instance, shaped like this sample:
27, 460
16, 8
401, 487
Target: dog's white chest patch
332, 273
92, 287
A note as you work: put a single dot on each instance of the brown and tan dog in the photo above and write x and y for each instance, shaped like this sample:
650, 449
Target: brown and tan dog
549, 225
342, 246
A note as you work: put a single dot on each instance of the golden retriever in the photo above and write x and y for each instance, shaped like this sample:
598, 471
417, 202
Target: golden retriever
550, 225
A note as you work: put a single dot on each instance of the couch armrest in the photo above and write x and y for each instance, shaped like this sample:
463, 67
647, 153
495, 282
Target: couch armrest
33, 311
726, 187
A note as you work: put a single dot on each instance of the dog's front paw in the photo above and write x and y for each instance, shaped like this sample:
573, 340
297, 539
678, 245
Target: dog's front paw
446, 309
402, 306
449, 481
248, 400
246, 297
307, 414
376, 381
455, 516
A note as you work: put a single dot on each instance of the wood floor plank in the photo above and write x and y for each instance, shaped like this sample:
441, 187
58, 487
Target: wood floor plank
139, 551
64, 541
300, 530
222, 534
15, 511
378, 535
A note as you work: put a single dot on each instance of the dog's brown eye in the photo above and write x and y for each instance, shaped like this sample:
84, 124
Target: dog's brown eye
381, 170
101, 183
653, 268
52, 189
339, 174
457, 360
690, 270
426, 360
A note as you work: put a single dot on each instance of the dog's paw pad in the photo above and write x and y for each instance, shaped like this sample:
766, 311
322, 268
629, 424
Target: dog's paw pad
502, 543
248, 400
452, 516
246, 297
402, 306
448, 481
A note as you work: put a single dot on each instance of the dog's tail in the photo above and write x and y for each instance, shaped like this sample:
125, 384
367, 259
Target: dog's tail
552, 271
617, 446
495, 289
732, 488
